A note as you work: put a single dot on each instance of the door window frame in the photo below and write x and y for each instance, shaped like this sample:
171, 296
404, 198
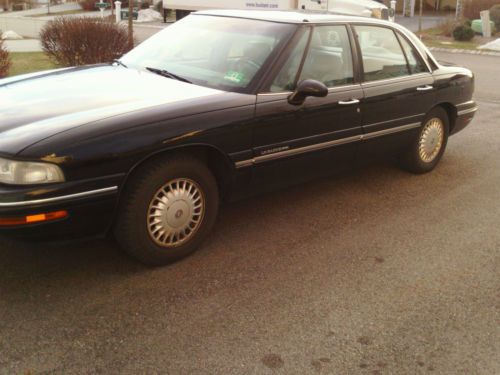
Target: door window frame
418, 56
397, 35
361, 62
357, 72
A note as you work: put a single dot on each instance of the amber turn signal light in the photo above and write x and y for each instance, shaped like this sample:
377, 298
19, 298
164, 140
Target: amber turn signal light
31, 219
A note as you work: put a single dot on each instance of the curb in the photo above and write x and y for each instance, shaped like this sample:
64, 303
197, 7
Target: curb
465, 51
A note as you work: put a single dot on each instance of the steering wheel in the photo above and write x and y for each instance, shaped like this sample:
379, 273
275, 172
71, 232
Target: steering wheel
245, 64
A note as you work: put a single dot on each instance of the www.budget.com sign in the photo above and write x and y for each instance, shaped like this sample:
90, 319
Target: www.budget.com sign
229, 4
269, 4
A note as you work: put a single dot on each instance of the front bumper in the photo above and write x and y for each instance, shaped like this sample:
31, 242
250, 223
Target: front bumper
465, 114
90, 205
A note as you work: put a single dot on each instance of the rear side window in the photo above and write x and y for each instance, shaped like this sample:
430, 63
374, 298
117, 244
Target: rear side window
414, 60
382, 55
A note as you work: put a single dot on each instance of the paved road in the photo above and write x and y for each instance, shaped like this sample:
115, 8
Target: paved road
23, 45
375, 272
29, 27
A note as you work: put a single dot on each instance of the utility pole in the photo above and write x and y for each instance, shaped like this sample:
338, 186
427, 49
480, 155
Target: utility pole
421, 10
459, 9
130, 23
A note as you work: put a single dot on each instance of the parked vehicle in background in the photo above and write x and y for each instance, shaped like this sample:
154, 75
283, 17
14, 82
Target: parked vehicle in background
221, 104
365, 8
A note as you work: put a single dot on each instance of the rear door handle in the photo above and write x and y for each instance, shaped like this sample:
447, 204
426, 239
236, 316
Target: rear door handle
425, 88
349, 102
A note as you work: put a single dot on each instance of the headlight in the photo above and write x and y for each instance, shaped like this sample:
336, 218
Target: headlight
28, 173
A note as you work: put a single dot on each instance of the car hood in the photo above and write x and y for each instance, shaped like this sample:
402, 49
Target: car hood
36, 106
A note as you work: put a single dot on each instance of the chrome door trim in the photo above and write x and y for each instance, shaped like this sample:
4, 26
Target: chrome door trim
409, 77
296, 151
60, 198
323, 145
398, 129
281, 94
406, 118
278, 94
331, 90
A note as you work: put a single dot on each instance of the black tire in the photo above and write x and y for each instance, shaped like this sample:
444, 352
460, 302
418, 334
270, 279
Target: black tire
132, 228
414, 160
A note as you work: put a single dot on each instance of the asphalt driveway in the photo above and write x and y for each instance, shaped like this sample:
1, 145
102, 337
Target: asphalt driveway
374, 272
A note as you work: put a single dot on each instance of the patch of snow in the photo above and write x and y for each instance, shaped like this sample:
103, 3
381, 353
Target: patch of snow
149, 15
493, 45
11, 35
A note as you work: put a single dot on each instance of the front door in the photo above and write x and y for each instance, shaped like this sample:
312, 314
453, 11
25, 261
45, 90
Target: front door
293, 143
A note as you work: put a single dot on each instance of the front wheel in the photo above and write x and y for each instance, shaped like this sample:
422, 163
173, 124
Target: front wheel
167, 210
427, 149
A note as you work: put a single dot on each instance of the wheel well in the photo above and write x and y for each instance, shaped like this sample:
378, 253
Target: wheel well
451, 110
218, 163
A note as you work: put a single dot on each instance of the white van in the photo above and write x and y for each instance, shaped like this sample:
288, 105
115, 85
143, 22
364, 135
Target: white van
367, 8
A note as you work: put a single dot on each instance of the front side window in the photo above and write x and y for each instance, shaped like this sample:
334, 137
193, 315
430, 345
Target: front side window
285, 80
218, 52
382, 55
329, 59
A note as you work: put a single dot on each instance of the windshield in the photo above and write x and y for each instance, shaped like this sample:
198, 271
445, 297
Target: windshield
218, 52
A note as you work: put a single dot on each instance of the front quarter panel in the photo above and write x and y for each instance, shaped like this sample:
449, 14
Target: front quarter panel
115, 145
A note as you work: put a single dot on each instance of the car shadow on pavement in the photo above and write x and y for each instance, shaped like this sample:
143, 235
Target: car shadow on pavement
264, 226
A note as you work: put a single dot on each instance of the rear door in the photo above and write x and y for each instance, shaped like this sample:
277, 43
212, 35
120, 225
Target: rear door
397, 85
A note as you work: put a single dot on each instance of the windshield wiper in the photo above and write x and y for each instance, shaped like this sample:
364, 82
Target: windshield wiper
116, 61
166, 73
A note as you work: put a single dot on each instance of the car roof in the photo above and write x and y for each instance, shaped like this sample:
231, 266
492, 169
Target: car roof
293, 16
312, 17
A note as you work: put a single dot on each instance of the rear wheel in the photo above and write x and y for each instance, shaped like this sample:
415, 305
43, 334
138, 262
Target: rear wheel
167, 210
428, 148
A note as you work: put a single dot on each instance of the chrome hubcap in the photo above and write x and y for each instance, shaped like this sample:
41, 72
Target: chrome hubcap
175, 212
431, 140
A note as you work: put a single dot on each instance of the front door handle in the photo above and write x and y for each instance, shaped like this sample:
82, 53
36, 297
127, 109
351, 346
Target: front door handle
349, 102
425, 88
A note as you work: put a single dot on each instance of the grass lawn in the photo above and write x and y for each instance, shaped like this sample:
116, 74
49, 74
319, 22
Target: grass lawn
28, 62
439, 37
452, 44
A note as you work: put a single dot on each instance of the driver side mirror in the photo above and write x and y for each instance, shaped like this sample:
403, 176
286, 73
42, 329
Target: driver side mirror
305, 88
